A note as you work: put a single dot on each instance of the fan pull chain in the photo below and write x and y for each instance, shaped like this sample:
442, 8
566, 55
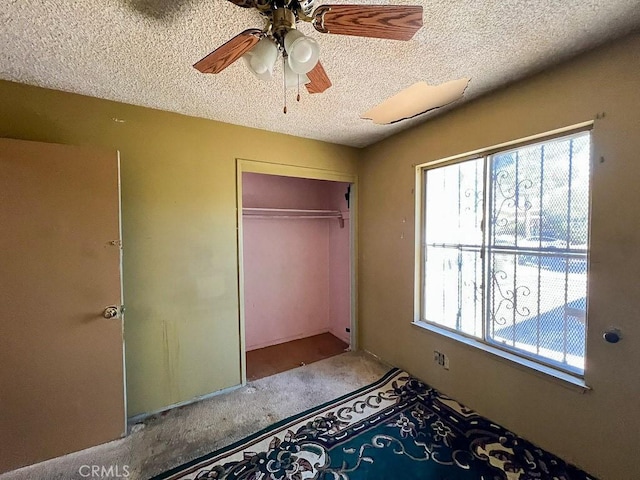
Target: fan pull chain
284, 85
298, 97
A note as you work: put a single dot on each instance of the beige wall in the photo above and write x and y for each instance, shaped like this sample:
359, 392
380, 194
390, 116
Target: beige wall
179, 228
598, 430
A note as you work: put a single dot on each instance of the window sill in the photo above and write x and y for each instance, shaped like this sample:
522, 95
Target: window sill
544, 371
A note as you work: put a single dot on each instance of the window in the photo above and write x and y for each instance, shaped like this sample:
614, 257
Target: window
504, 240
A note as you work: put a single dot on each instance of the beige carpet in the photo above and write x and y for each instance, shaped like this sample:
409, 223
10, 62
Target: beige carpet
188, 432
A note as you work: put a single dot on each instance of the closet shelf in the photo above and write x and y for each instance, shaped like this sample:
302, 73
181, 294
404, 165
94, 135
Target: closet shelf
293, 213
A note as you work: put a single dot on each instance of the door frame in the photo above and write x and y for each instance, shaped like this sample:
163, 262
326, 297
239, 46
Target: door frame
122, 307
268, 168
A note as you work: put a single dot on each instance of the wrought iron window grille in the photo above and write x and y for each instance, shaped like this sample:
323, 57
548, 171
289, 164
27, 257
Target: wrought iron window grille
504, 249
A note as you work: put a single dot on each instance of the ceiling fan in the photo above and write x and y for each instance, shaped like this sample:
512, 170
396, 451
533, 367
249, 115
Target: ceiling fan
300, 53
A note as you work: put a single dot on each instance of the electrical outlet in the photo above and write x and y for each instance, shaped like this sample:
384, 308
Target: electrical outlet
438, 358
441, 359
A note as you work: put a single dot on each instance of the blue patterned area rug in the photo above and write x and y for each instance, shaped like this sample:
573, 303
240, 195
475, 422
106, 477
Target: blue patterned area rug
395, 428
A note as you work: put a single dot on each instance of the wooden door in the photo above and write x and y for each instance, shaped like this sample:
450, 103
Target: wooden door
61, 360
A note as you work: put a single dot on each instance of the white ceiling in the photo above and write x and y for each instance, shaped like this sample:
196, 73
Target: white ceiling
141, 52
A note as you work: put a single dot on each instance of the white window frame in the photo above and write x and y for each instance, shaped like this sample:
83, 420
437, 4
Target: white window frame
528, 363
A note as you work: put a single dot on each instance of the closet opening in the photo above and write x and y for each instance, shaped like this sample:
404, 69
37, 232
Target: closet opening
296, 246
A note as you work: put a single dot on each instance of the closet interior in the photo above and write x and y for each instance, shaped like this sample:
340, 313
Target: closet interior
297, 275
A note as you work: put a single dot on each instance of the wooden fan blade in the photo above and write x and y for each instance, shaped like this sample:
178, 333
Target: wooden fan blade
394, 22
319, 79
244, 3
228, 53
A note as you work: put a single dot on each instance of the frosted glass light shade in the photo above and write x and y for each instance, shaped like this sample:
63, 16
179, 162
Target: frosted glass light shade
261, 59
303, 52
291, 77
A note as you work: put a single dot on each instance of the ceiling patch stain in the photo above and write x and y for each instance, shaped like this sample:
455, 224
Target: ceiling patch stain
415, 100
157, 9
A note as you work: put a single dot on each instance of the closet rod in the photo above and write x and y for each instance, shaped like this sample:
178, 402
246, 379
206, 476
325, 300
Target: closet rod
290, 211
294, 216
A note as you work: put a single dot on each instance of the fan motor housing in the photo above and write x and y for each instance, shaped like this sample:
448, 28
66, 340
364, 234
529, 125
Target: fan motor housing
282, 20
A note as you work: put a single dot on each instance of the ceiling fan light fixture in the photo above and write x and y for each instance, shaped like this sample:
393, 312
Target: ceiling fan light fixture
291, 78
261, 58
303, 52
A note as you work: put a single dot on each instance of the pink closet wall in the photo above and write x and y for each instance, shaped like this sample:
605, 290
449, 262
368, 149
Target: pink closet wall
296, 271
339, 271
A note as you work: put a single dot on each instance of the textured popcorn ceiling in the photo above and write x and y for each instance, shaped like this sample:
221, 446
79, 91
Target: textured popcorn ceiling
141, 52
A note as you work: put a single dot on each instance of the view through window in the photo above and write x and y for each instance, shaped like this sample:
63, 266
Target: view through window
505, 245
